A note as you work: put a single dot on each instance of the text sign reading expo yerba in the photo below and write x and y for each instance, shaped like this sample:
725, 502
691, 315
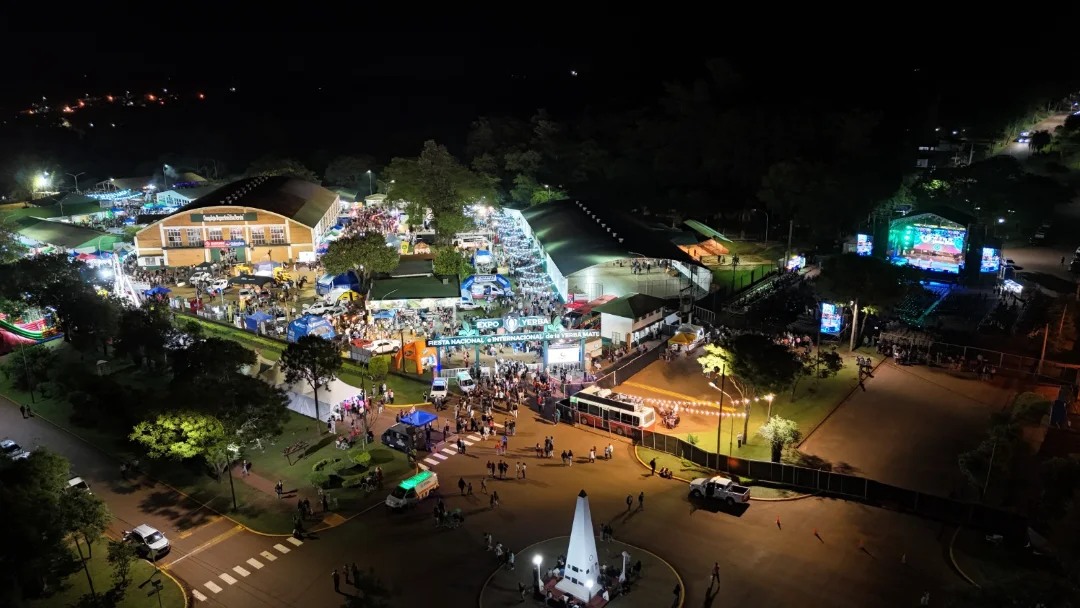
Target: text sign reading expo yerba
570, 334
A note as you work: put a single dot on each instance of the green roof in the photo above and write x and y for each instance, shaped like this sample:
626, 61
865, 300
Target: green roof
415, 480
633, 306
295, 199
706, 231
77, 207
414, 288
348, 194
65, 236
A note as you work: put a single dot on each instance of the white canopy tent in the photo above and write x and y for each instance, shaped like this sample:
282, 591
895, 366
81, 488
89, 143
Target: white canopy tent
302, 399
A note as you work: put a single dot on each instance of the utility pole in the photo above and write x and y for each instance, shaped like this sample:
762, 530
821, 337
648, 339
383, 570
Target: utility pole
854, 326
720, 416
787, 254
1042, 357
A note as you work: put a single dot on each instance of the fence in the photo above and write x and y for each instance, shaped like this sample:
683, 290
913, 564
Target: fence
841, 485
967, 358
630, 365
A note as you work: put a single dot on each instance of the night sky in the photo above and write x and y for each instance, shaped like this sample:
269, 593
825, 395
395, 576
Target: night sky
384, 93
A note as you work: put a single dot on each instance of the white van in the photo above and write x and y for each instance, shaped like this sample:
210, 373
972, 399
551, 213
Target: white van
440, 388
470, 241
465, 382
412, 490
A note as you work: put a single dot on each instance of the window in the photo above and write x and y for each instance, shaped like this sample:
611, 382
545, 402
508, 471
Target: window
277, 235
172, 237
215, 234
194, 237
258, 236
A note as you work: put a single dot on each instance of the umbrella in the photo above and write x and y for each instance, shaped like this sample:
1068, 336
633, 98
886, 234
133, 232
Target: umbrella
683, 339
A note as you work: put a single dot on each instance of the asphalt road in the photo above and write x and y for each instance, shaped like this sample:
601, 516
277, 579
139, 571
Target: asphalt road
1023, 151
856, 561
908, 427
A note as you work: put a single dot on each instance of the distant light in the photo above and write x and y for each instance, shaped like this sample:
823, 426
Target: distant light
937, 129
573, 72
232, 89
151, 97
201, 96
91, 124
109, 97
112, 124
955, 132
164, 90
1001, 220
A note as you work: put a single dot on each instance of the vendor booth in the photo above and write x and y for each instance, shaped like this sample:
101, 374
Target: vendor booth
255, 320
421, 355
302, 398
310, 325
328, 282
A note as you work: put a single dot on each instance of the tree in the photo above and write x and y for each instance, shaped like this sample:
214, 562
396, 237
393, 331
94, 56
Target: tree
288, 167
1040, 140
714, 359
779, 432
529, 191
47, 281
449, 262
378, 367
121, 557
145, 333
28, 366
314, 361
209, 359
368, 253
764, 365
86, 515
350, 172
95, 320
872, 283
182, 435
251, 411
34, 554
11, 248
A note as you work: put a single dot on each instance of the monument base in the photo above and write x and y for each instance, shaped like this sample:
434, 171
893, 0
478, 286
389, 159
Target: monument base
552, 587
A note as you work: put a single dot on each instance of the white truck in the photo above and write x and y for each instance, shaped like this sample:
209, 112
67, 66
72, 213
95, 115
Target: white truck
719, 488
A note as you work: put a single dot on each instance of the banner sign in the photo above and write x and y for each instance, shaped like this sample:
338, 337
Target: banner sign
223, 244
831, 320
511, 324
250, 216
569, 334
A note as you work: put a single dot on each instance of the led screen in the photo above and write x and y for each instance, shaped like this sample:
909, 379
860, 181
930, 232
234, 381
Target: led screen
830, 318
991, 260
564, 354
928, 247
864, 244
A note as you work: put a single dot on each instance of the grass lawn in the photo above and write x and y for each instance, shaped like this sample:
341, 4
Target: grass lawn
985, 562
76, 585
722, 276
688, 470
814, 399
406, 390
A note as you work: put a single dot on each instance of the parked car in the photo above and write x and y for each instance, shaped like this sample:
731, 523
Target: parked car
719, 488
200, 277
468, 304
148, 541
79, 484
219, 284
439, 388
384, 347
13, 450
247, 292
322, 308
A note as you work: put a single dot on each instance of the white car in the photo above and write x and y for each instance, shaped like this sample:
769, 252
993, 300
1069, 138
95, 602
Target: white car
200, 277
13, 450
467, 304
487, 289
148, 541
322, 308
79, 484
247, 292
440, 388
384, 347
220, 284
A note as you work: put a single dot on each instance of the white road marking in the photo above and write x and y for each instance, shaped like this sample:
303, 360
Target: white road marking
212, 586
474, 437
199, 597
295, 541
440, 456
424, 466
468, 442
431, 461
282, 549
254, 563
227, 578
268, 556
448, 451
241, 571
499, 425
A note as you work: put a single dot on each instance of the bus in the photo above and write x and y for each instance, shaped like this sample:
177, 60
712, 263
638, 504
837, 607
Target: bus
600, 408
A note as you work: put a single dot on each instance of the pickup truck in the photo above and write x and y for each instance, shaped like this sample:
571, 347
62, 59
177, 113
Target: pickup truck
719, 488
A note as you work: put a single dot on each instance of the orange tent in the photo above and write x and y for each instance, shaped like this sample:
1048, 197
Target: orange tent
415, 351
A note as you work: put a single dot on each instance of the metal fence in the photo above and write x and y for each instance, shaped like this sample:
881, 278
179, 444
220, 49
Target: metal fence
841, 485
958, 357
630, 365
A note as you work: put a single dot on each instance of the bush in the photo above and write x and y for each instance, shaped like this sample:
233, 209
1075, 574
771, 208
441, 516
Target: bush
319, 479
379, 367
692, 439
28, 366
360, 457
1029, 408
353, 482
320, 465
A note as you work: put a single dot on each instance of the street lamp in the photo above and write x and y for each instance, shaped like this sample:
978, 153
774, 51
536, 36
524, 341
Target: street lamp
720, 416
76, 177
537, 560
589, 586
369, 190
165, 176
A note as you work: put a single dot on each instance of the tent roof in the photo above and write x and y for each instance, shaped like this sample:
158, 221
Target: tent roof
295, 199
683, 338
576, 240
414, 288
67, 236
259, 315
706, 231
633, 306
419, 418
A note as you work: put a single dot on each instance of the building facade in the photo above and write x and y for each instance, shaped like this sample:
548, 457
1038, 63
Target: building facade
253, 220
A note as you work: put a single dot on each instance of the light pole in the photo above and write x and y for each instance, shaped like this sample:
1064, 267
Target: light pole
165, 177
537, 560
41, 182
766, 223
76, 177
720, 417
369, 190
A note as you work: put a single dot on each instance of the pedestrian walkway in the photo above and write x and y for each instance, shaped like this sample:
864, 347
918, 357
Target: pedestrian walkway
444, 454
247, 568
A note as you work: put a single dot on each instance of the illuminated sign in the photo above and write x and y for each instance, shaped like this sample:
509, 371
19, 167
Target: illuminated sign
831, 320
250, 216
511, 324
864, 244
223, 244
569, 334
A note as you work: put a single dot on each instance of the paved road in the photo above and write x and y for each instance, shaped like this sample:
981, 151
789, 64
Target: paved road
908, 427
1023, 151
763, 564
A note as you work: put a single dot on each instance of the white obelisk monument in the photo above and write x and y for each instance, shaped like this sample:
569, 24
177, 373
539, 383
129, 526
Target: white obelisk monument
582, 566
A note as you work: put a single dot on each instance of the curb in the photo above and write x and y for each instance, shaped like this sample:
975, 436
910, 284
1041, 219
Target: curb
817, 426
956, 566
678, 577
687, 481
183, 589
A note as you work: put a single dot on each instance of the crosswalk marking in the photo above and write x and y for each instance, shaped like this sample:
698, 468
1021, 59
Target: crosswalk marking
440, 456
227, 578
474, 437
295, 541
254, 563
212, 586
424, 466
199, 597
281, 549
448, 451
468, 442
241, 571
268, 556
499, 425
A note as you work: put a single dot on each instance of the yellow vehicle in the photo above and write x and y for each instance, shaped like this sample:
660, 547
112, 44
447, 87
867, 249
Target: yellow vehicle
241, 269
282, 274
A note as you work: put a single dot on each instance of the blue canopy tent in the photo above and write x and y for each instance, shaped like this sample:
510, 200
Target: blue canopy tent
383, 314
419, 418
480, 279
328, 282
309, 325
253, 320
157, 291
482, 256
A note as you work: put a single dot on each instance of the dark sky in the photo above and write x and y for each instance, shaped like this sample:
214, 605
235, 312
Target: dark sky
383, 92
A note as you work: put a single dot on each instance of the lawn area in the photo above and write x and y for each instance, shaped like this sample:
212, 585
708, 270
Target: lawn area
688, 470
813, 400
406, 390
76, 586
744, 276
985, 562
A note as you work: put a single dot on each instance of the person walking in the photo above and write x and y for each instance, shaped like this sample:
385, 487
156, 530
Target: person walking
337, 580
592, 455
715, 579
461, 485
495, 499
244, 468
279, 488
468, 489
355, 575
22, 410
325, 503
652, 465
641, 501
629, 502
483, 485
523, 467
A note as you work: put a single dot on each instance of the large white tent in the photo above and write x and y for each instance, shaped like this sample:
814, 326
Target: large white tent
302, 398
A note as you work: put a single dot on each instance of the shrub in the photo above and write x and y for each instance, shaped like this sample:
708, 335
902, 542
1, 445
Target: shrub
692, 439
353, 482
319, 466
360, 457
378, 367
319, 479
